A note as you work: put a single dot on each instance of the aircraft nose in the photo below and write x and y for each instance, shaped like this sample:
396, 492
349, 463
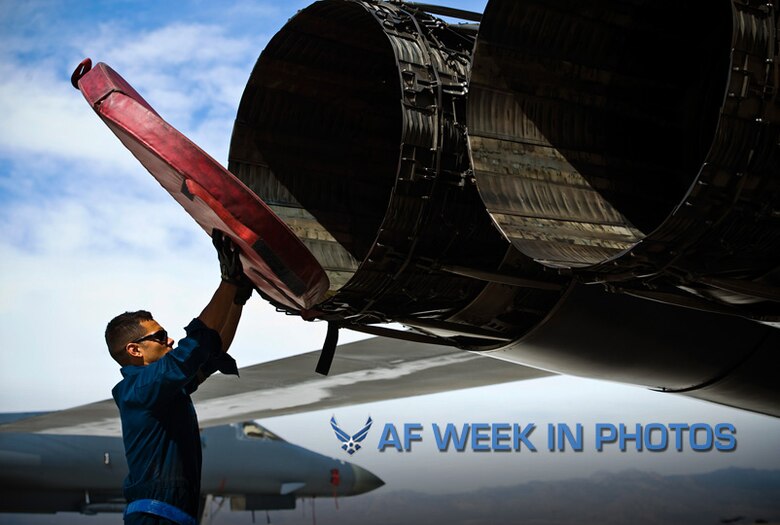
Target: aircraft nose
365, 481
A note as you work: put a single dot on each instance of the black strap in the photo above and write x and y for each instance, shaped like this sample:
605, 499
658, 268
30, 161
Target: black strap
328, 349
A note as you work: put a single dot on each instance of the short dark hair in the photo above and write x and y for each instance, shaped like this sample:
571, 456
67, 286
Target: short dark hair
121, 330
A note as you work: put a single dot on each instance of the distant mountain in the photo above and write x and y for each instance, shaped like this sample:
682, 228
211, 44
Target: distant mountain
630, 497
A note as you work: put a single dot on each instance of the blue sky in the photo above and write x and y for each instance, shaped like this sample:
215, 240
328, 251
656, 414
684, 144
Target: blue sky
88, 234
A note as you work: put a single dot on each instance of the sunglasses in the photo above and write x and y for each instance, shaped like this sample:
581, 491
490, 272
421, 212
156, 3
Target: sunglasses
160, 336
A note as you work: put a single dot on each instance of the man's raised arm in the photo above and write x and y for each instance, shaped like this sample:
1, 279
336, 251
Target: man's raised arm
223, 312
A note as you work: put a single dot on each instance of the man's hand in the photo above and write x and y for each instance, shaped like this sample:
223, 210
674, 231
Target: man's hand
230, 266
229, 260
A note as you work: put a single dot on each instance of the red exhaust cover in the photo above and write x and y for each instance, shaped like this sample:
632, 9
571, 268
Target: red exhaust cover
273, 257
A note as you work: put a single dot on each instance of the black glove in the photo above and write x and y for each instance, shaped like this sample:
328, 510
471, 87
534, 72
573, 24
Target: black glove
230, 266
228, 254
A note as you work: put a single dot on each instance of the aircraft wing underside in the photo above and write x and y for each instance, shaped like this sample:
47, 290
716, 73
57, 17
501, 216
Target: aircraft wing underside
370, 370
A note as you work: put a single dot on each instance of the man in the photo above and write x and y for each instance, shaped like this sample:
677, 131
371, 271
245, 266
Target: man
159, 425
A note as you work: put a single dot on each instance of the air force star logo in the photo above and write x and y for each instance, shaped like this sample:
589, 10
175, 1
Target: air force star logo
350, 444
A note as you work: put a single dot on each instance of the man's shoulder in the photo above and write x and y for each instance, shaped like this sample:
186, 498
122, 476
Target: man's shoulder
127, 374
130, 373
133, 376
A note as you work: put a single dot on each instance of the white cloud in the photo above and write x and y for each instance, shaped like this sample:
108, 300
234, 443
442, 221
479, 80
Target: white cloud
44, 115
186, 45
183, 70
88, 232
193, 74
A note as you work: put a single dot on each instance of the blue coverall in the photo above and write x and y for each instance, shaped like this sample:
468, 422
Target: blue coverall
160, 427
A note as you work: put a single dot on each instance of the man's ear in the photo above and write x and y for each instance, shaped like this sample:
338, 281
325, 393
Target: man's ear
134, 350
